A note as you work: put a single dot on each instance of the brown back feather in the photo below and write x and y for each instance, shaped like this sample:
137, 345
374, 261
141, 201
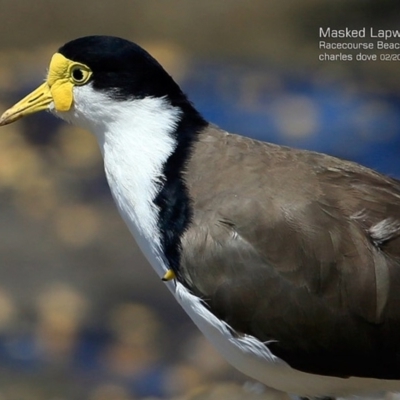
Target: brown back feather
295, 247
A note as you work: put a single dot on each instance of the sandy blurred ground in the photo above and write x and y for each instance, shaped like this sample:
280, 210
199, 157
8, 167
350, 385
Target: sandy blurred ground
82, 315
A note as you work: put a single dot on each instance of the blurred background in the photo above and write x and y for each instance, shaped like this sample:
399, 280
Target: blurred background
82, 315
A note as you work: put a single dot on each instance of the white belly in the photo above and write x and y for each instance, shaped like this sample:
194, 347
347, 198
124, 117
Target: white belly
253, 358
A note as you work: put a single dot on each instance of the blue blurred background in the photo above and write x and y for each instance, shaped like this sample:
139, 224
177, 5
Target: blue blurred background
82, 315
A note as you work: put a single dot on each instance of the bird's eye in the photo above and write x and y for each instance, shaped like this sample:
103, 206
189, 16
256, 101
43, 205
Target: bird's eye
77, 74
80, 74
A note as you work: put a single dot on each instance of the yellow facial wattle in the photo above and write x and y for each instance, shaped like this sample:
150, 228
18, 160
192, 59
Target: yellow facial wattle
61, 80
63, 75
59, 83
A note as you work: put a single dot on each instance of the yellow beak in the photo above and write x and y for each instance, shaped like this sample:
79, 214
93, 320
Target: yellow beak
57, 89
38, 100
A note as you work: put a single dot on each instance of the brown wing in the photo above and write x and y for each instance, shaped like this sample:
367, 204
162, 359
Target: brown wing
302, 250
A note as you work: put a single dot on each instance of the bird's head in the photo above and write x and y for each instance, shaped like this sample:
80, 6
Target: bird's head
89, 78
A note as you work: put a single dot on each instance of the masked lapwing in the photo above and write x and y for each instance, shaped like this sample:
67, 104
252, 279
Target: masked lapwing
287, 260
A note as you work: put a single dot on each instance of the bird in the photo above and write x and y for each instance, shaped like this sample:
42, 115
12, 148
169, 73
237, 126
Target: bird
287, 260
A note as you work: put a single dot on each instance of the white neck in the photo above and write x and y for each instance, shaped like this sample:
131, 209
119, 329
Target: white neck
136, 139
